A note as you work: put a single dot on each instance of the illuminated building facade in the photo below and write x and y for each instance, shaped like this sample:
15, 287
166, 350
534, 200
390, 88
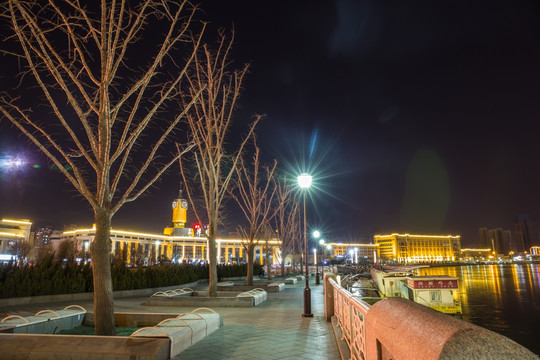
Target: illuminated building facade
43, 234
11, 232
177, 243
525, 224
354, 252
406, 248
476, 254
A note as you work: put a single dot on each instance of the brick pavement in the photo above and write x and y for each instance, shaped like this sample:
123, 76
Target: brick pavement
274, 329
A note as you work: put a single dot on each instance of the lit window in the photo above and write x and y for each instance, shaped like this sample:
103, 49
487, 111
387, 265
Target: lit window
435, 295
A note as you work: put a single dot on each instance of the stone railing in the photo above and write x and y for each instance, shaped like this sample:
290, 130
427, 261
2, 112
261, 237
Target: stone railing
400, 329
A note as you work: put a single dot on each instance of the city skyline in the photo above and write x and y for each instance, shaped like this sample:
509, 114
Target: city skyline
421, 118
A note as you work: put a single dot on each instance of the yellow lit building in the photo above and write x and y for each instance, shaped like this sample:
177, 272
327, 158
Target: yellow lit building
12, 231
177, 243
406, 248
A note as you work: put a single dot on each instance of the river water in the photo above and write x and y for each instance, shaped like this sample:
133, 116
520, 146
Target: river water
504, 298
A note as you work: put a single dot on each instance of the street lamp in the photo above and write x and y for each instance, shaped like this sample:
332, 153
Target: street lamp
318, 278
304, 181
316, 235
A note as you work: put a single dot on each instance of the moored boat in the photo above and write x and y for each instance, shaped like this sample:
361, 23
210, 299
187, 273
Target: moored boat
439, 292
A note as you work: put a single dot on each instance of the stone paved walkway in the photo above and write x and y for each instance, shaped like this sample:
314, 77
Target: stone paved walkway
274, 329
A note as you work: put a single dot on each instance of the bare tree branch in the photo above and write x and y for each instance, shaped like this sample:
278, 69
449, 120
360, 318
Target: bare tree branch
100, 105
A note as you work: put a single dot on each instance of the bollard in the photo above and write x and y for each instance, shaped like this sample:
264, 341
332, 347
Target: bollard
328, 296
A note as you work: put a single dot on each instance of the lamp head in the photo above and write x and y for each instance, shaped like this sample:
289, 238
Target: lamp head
304, 180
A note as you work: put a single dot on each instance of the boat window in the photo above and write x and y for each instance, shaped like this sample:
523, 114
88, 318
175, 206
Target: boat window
435, 295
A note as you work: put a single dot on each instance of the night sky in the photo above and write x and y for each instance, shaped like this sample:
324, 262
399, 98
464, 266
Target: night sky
417, 117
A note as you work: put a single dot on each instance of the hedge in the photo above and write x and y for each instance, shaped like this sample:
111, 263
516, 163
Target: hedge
50, 277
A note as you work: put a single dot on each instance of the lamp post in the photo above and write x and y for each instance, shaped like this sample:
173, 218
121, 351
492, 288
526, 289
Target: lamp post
318, 278
316, 235
304, 181
321, 242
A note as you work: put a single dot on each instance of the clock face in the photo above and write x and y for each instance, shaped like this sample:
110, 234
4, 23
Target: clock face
174, 204
184, 204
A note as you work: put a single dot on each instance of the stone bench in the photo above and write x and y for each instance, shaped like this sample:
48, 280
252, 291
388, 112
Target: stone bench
177, 292
258, 295
291, 280
45, 321
278, 284
226, 283
300, 277
269, 287
224, 299
184, 330
87, 347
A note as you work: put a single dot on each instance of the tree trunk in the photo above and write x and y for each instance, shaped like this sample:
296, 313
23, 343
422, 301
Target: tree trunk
283, 264
250, 261
212, 267
101, 270
268, 263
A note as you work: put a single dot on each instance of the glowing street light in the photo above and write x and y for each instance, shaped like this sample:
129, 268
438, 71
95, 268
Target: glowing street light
321, 242
304, 181
316, 235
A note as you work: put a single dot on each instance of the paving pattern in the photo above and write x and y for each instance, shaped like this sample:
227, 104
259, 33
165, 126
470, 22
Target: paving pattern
274, 329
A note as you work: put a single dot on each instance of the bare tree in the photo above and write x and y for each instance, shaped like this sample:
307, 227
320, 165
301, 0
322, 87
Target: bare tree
40, 252
254, 192
67, 250
108, 119
209, 122
21, 249
287, 222
267, 236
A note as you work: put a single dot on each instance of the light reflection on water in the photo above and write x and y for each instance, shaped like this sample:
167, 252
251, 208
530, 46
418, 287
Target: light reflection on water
504, 298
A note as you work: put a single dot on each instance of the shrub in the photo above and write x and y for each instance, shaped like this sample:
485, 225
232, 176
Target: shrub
50, 277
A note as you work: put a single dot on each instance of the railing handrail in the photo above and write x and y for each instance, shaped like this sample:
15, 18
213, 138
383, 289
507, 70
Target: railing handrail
350, 313
357, 303
400, 329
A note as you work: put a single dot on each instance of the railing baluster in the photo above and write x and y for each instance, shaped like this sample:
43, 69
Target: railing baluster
350, 313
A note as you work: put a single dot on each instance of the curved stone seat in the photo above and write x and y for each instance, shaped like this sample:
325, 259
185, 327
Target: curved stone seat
258, 295
45, 321
185, 329
176, 292
291, 280
280, 285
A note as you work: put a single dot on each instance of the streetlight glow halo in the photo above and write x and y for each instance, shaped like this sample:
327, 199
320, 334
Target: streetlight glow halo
304, 180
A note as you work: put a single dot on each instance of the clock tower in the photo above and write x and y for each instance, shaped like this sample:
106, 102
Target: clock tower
179, 215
